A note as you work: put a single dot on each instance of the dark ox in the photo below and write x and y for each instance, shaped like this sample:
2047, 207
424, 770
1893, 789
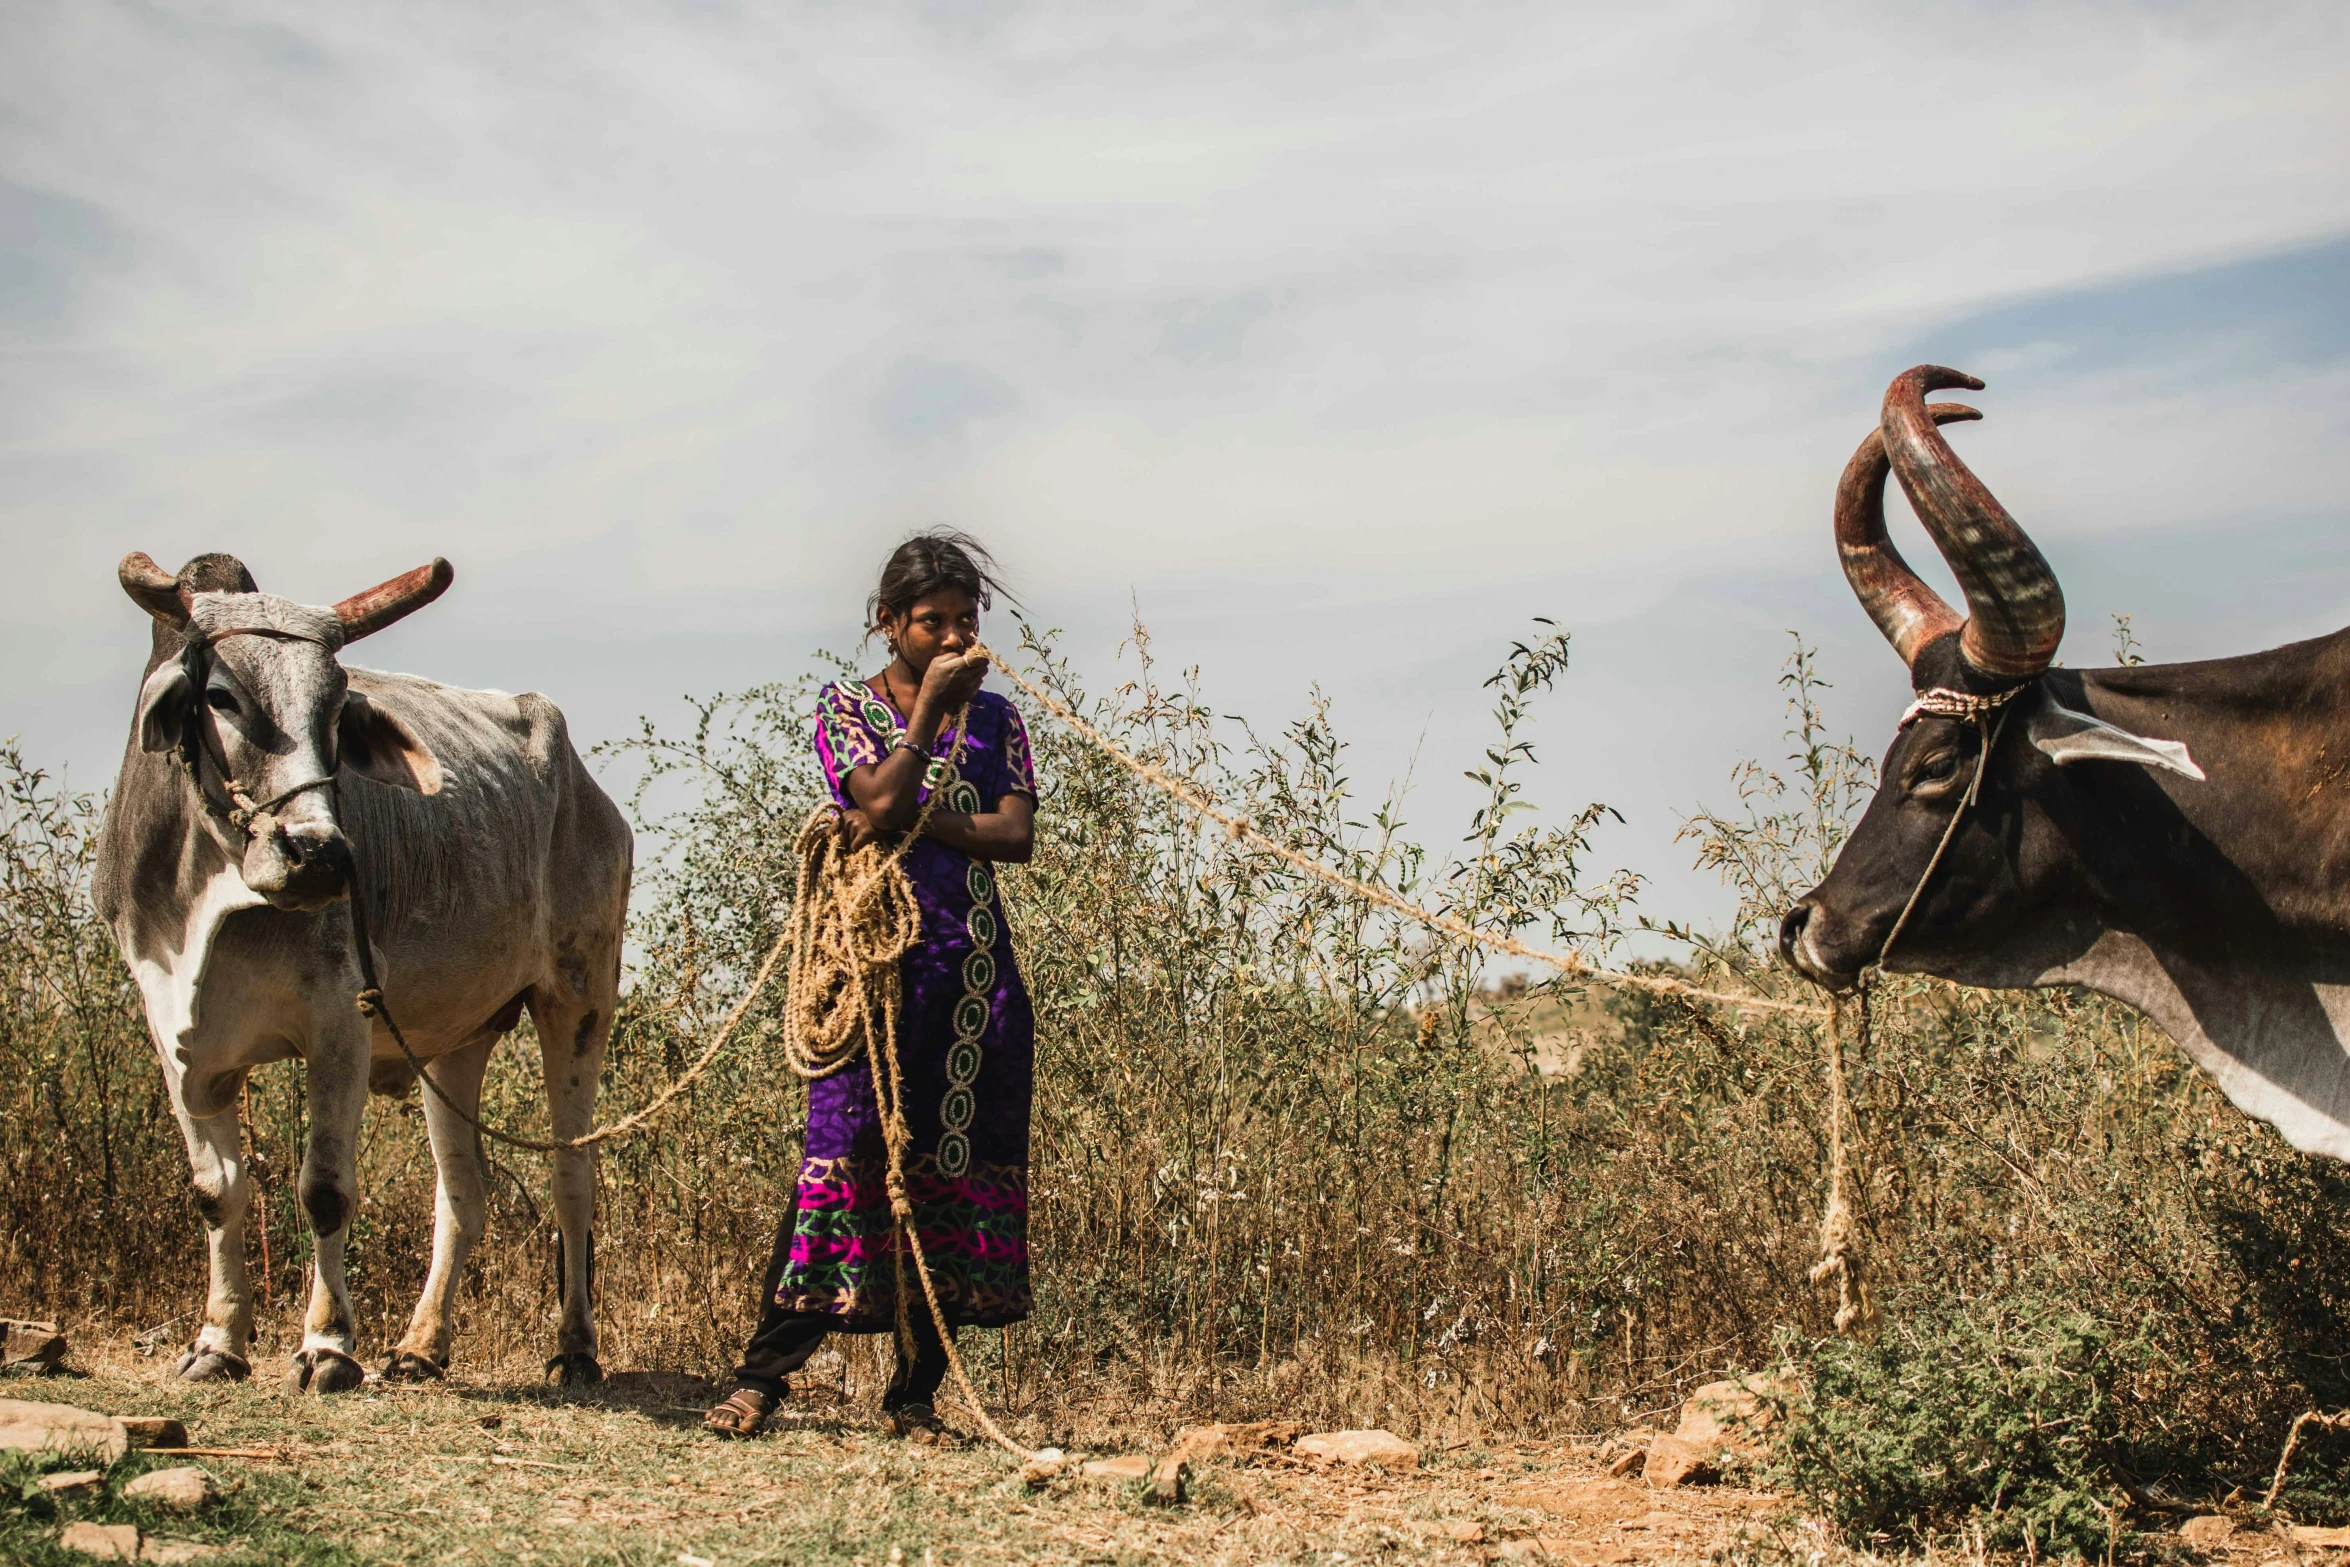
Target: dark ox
2176, 836
260, 773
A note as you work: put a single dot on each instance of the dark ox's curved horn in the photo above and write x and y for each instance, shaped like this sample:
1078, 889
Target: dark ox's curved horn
2015, 610
1904, 608
152, 588
364, 614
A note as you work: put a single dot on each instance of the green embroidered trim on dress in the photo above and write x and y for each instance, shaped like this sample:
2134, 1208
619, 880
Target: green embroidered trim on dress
972, 1012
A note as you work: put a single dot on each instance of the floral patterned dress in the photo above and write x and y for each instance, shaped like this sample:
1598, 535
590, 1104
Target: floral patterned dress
966, 1048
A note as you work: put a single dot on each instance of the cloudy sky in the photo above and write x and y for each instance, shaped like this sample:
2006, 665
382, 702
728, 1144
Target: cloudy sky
1339, 339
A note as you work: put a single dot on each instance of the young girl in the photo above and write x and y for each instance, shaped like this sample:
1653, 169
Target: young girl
966, 1036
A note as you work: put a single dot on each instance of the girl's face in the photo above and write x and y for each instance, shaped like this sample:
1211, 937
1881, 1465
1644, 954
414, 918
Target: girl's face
943, 622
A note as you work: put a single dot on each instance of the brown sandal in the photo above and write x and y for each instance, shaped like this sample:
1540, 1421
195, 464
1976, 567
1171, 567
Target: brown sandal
743, 1413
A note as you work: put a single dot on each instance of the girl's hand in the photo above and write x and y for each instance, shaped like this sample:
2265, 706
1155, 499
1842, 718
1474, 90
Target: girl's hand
855, 829
952, 680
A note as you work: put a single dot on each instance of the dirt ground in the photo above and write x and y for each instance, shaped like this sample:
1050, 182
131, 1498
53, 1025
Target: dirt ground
485, 1469
490, 1470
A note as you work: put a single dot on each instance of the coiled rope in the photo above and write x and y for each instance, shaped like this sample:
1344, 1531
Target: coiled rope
853, 917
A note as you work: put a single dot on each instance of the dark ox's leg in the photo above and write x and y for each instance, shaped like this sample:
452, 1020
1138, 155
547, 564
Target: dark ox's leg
573, 1028
458, 1209
329, 1190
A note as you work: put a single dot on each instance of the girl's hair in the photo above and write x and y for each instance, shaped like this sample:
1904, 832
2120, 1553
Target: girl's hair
928, 562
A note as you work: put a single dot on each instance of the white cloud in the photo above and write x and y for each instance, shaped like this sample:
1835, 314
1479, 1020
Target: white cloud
670, 318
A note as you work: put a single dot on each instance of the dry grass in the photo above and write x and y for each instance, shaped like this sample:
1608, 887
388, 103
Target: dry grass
622, 1476
1292, 1158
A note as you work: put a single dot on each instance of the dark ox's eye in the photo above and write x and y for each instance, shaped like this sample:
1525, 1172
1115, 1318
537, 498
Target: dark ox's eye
220, 701
1936, 769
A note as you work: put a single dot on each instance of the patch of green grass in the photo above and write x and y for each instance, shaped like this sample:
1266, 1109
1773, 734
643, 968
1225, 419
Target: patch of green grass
249, 1516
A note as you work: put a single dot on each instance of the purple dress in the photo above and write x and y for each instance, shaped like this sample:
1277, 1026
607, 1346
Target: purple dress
966, 1048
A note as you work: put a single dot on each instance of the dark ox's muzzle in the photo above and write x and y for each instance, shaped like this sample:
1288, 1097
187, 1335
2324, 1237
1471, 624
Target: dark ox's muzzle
1802, 952
300, 865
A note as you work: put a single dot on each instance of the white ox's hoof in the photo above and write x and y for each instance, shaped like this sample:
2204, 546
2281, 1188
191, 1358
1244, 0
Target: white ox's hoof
211, 1365
408, 1366
324, 1370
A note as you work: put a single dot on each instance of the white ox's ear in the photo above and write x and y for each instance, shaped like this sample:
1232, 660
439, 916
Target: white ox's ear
161, 701
377, 745
2066, 736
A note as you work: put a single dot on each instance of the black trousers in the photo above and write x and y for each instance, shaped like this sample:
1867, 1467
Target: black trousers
783, 1340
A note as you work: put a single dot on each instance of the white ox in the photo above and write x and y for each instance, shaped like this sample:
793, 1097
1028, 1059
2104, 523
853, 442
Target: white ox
495, 874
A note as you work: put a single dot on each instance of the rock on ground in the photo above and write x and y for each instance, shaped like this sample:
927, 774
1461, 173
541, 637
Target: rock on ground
31, 1427
1166, 1487
1672, 1461
1043, 1465
1375, 1446
171, 1553
1721, 1421
117, 1542
155, 1431
1126, 1466
73, 1481
30, 1344
182, 1490
1198, 1444
2207, 1531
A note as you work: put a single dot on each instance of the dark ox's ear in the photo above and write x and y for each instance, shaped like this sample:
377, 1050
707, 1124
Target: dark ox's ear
377, 745
2065, 737
163, 700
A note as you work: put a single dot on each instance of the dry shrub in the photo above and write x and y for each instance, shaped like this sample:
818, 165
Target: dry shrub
1291, 1155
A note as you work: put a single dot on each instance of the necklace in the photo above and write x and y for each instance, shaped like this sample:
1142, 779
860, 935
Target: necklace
889, 693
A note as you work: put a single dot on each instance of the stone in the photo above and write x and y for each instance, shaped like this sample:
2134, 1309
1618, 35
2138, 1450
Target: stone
1126, 1466
2212, 1529
31, 1427
1629, 1462
115, 1542
1166, 1487
1465, 1532
73, 1482
1721, 1423
172, 1552
1043, 1466
2322, 1539
155, 1431
1374, 1446
181, 1490
1734, 1418
1198, 1444
1672, 1461
30, 1344
1524, 1549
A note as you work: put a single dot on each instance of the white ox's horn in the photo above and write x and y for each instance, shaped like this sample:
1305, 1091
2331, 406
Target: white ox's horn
364, 614
152, 588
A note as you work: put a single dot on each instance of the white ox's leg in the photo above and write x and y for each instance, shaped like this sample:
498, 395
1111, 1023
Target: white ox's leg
459, 1207
572, 1035
223, 1191
327, 1362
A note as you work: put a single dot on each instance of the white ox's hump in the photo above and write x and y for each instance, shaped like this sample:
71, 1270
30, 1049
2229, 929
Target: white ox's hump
476, 852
